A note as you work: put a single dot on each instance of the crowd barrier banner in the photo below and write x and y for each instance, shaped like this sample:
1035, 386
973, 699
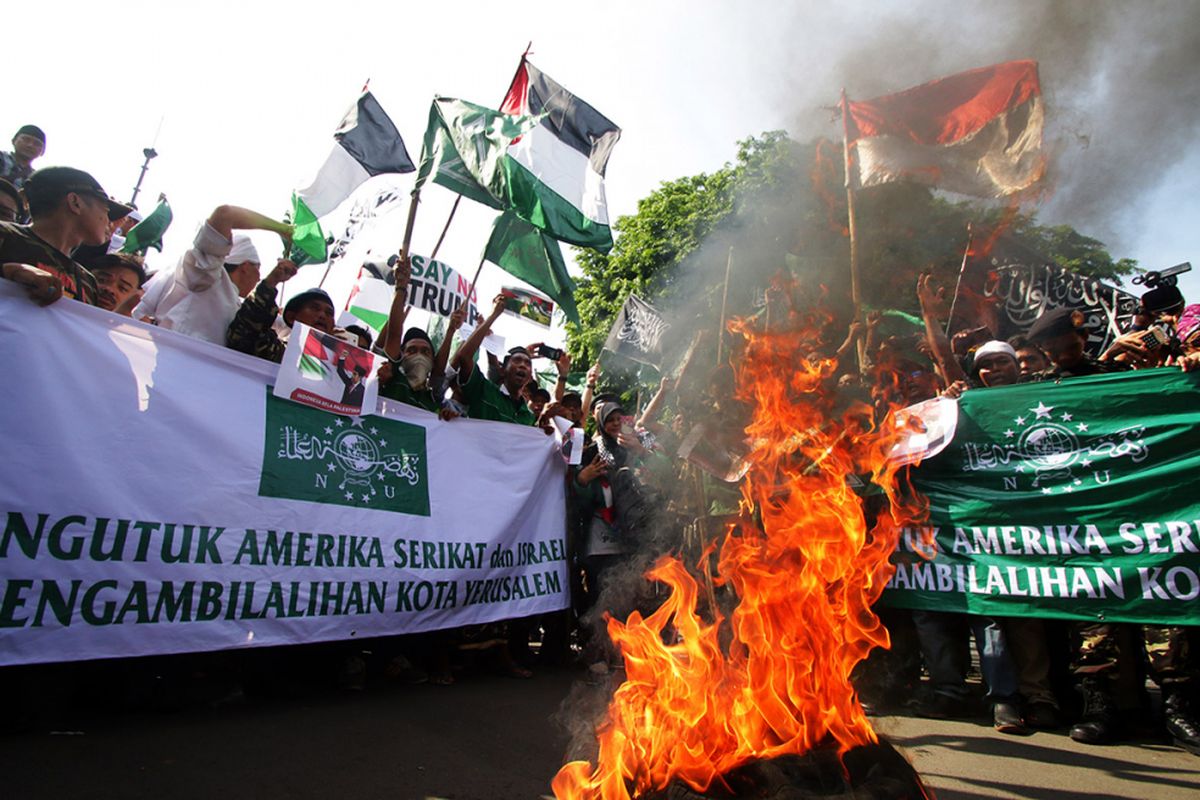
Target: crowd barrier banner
1075, 500
155, 498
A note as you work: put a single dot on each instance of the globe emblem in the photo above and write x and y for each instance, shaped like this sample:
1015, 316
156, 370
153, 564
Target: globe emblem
1049, 446
356, 452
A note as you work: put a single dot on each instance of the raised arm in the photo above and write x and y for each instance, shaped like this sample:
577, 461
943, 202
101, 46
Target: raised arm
392, 334
590, 390
443, 354
655, 404
943, 354
464, 359
227, 219
564, 368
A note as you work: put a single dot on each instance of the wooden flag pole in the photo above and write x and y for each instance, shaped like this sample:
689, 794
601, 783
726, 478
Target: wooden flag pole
446, 227
458, 200
958, 284
855, 293
471, 290
724, 299
413, 202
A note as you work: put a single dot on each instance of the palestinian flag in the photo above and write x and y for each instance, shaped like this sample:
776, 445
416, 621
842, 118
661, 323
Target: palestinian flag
371, 298
366, 144
976, 133
149, 232
555, 173
314, 361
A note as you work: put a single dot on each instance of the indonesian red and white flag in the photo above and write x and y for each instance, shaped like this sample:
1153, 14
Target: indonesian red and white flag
977, 132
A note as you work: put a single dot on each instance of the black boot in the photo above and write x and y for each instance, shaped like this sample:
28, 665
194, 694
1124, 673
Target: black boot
1180, 722
1098, 725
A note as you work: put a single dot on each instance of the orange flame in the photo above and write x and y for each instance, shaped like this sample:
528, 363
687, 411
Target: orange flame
984, 248
702, 698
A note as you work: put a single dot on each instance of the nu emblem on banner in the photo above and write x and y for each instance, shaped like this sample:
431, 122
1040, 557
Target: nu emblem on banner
365, 462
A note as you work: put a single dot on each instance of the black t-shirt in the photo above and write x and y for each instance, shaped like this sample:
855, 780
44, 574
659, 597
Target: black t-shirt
19, 244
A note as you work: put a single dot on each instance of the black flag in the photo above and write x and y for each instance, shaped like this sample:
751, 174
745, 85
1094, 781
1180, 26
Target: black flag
638, 332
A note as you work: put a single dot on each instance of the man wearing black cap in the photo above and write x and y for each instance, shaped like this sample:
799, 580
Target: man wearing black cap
487, 400
28, 143
68, 208
1060, 334
408, 379
252, 328
119, 277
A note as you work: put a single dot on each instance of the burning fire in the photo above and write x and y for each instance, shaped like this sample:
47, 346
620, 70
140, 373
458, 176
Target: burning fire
704, 697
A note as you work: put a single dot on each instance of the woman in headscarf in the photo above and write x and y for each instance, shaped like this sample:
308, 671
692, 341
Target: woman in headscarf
610, 501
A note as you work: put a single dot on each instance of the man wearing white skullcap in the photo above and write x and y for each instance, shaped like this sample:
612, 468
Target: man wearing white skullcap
201, 295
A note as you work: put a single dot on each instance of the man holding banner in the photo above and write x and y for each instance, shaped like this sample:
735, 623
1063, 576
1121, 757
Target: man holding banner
1052, 500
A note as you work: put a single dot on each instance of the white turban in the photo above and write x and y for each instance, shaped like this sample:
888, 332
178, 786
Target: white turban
243, 250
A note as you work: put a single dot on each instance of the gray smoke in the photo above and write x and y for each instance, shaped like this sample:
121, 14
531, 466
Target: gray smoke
1119, 81
1122, 110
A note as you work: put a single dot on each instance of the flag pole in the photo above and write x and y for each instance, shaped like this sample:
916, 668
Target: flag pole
471, 290
958, 284
724, 299
855, 294
446, 227
413, 202
458, 199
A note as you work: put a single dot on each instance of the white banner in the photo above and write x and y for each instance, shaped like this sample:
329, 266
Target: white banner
155, 498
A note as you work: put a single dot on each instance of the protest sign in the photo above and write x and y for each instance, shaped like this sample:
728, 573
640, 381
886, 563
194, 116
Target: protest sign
236, 519
439, 289
1074, 500
527, 305
322, 371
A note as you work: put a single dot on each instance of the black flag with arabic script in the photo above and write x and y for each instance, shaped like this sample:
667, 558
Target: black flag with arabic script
638, 332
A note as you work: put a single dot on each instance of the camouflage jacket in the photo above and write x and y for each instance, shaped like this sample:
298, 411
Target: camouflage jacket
251, 330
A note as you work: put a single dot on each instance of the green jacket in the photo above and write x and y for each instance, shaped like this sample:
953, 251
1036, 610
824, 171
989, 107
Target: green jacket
485, 400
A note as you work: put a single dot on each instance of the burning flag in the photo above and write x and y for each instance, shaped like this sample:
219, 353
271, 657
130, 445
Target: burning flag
556, 171
977, 132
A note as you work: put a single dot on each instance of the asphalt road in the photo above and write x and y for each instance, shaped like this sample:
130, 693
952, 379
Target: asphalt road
488, 737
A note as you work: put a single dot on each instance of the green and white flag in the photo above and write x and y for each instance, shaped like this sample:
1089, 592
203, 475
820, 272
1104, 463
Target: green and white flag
464, 149
366, 144
1075, 500
149, 232
527, 253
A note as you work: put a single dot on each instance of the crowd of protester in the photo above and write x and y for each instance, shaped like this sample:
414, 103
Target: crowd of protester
619, 496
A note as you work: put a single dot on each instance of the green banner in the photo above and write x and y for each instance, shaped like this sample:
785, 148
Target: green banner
362, 462
1075, 500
